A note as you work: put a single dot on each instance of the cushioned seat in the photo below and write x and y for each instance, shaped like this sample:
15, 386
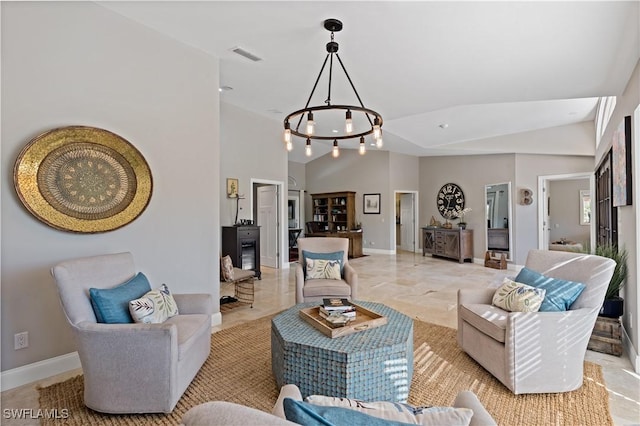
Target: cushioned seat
313, 290
132, 367
489, 319
190, 329
537, 352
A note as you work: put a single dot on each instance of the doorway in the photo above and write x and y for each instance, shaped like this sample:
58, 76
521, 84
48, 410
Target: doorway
266, 202
406, 224
560, 216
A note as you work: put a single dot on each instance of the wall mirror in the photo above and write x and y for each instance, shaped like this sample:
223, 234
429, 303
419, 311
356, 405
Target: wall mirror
498, 218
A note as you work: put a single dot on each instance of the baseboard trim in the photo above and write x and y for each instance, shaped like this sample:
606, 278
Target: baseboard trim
38, 370
216, 319
50, 367
377, 251
631, 351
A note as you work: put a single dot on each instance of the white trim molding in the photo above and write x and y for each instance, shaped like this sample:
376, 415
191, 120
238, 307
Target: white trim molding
39, 370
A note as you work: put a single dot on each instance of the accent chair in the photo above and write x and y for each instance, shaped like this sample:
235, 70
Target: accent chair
132, 368
536, 352
311, 290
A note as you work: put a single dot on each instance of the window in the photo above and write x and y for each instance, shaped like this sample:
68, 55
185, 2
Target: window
606, 214
603, 115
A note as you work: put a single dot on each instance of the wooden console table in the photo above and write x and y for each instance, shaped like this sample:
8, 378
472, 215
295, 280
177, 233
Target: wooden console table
452, 243
355, 240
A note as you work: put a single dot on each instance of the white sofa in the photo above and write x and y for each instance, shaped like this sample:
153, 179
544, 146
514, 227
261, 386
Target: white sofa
230, 414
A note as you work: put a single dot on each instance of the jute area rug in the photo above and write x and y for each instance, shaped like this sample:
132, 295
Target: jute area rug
239, 370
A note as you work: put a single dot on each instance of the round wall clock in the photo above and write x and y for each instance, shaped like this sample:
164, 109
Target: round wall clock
82, 179
450, 200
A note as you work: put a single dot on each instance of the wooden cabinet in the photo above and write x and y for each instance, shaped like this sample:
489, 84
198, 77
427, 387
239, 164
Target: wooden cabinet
334, 215
334, 211
451, 243
606, 336
242, 243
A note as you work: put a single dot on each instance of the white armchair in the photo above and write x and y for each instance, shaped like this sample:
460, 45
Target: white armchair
317, 289
536, 352
132, 368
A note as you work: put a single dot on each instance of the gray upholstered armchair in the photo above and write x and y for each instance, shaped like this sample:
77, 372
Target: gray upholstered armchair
536, 352
132, 368
317, 289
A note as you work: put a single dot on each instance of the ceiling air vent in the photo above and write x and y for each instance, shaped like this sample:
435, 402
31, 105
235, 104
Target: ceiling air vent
240, 51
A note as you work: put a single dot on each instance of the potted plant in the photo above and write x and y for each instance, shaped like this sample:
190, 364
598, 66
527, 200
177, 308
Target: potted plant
613, 305
460, 215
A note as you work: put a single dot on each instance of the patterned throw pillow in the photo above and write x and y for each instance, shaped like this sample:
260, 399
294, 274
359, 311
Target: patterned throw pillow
517, 297
336, 255
323, 269
226, 266
155, 307
398, 412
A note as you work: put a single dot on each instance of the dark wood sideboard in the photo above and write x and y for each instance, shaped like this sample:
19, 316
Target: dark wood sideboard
451, 243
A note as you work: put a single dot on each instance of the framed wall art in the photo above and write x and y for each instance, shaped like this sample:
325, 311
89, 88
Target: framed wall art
621, 164
82, 179
371, 204
232, 188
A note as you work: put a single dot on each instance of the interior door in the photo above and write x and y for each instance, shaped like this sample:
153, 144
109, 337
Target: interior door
268, 222
546, 199
407, 222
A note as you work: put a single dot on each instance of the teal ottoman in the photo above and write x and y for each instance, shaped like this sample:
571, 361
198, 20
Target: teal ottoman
371, 365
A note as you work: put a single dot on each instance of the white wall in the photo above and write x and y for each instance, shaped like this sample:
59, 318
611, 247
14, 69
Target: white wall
70, 63
250, 147
628, 216
364, 174
473, 172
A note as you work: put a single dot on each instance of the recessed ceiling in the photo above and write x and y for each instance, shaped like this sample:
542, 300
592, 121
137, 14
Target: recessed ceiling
486, 69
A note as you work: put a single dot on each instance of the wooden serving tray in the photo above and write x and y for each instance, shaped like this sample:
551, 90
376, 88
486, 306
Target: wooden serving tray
365, 320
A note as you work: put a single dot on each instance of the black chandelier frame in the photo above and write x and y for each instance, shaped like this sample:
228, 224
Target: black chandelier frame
332, 25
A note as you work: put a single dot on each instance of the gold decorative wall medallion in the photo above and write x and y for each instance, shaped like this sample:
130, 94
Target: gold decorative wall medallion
82, 179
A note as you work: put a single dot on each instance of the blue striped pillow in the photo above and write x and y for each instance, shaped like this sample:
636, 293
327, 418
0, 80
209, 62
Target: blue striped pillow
560, 294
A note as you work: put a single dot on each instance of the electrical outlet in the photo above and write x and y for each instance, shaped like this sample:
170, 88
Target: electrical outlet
21, 340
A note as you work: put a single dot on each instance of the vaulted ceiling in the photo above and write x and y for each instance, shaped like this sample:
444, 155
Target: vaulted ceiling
446, 76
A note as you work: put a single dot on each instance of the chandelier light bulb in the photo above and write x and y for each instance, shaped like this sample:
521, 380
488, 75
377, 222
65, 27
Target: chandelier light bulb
379, 142
287, 133
310, 123
362, 149
307, 149
336, 151
289, 146
376, 128
348, 124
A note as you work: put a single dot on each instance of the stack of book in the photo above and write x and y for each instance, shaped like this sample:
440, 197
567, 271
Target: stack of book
336, 307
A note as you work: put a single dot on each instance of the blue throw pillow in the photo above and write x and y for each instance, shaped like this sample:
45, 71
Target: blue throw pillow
336, 255
307, 414
111, 305
560, 294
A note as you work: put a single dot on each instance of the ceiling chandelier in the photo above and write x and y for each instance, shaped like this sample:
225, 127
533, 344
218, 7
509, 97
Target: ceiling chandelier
367, 121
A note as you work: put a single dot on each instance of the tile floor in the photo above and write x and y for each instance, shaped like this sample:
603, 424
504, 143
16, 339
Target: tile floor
421, 287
